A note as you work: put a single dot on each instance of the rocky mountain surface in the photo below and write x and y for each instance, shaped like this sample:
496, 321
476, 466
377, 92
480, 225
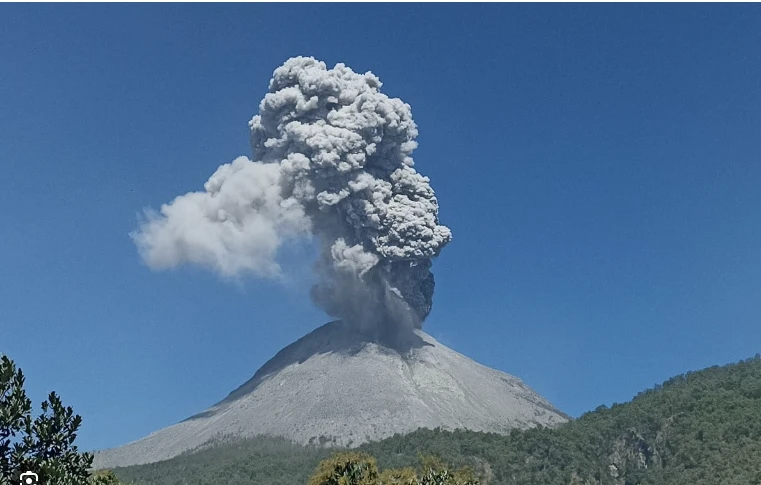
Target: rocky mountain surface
336, 387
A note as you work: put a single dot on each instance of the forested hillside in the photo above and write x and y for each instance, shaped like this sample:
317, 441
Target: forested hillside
700, 428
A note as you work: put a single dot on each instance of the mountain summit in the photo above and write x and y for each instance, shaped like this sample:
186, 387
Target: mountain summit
335, 386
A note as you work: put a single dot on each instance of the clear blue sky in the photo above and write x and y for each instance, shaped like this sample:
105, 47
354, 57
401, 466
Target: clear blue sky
599, 165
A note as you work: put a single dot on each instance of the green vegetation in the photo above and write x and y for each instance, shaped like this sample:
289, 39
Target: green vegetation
347, 468
44, 444
104, 477
358, 468
701, 428
270, 461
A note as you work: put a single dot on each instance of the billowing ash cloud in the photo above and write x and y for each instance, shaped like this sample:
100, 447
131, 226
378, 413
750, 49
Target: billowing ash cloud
331, 160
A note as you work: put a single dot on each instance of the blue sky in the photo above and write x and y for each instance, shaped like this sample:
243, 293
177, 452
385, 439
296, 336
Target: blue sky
599, 165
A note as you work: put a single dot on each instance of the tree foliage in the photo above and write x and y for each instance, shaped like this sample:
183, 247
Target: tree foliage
357, 468
42, 444
398, 476
104, 477
348, 468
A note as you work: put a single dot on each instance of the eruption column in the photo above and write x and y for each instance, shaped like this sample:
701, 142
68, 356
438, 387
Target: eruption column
331, 160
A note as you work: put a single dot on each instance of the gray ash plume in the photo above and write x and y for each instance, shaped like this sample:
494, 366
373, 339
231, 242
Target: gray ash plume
331, 161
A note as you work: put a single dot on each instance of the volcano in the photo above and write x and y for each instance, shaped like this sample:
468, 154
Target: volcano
337, 387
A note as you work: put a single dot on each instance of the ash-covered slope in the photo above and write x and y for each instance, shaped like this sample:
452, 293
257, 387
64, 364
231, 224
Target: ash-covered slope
335, 385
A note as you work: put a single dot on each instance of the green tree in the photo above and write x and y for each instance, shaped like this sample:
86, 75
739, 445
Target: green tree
43, 444
398, 476
348, 468
104, 477
436, 472
355, 468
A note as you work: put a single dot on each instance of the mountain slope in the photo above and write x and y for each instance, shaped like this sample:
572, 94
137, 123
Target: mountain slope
701, 428
334, 386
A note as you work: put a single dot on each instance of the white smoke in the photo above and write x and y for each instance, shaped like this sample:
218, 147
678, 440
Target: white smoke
331, 159
236, 225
